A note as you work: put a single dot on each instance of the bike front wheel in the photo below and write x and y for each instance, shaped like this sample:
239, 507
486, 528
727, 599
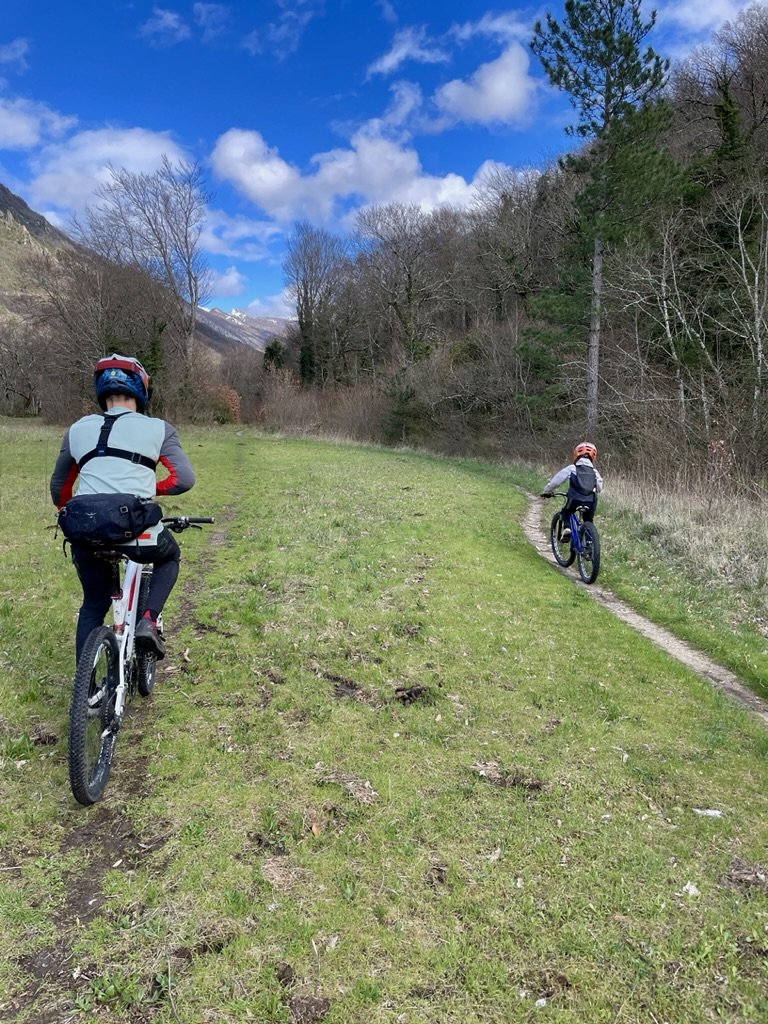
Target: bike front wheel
561, 549
91, 715
146, 663
589, 556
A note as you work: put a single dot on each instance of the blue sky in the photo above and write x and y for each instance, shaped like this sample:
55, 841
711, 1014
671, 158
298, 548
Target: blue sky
296, 109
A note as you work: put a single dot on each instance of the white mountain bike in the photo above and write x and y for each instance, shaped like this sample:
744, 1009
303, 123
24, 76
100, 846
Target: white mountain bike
109, 671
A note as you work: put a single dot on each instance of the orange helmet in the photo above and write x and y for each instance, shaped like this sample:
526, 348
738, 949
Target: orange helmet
585, 448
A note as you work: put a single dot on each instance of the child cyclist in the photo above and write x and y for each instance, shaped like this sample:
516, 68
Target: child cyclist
584, 484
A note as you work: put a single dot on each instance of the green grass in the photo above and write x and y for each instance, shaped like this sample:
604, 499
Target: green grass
519, 842
700, 573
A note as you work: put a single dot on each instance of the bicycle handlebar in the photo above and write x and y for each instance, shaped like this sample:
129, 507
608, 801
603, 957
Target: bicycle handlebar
179, 523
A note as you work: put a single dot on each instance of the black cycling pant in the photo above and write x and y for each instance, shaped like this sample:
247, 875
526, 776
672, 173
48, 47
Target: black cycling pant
97, 576
589, 505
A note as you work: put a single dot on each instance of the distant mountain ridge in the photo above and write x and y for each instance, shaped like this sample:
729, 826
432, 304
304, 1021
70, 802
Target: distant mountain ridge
223, 330
13, 208
21, 228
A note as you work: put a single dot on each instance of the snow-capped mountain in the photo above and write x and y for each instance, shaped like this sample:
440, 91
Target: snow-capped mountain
222, 330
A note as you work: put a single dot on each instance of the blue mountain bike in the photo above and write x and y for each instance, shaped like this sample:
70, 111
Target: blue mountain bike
573, 538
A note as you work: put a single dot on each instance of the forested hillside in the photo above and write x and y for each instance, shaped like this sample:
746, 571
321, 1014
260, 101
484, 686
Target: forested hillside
483, 322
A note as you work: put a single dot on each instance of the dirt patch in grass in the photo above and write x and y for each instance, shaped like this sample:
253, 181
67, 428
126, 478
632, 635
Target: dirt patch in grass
281, 874
508, 779
192, 583
344, 687
410, 694
748, 878
309, 1009
359, 789
703, 666
103, 840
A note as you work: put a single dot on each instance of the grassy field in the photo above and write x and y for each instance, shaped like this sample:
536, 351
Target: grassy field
396, 769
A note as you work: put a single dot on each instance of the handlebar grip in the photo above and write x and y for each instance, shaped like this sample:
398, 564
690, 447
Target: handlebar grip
200, 519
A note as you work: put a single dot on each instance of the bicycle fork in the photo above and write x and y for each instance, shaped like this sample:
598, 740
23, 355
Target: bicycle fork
125, 603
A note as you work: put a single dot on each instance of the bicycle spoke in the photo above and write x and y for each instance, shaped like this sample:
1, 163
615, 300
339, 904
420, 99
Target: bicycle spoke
91, 738
589, 556
561, 549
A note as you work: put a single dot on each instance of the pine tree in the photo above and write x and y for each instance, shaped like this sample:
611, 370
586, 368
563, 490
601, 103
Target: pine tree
596, 57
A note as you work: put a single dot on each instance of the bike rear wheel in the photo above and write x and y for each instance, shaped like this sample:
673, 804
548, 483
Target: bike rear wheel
561, 549
589, 556
91, 714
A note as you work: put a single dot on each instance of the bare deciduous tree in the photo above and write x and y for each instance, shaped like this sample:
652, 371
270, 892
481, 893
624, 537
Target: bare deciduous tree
153, 222
21, 371
314, 265
399, 246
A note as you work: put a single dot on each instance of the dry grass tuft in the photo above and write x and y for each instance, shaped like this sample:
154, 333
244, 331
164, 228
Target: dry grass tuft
722, 536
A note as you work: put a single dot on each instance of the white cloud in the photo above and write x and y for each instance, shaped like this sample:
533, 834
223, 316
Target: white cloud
67, 174
253, 43
699, 18
239, 237
388, 12
500, 91
165, 28
372, 169
408, 44
508, 27
280, 305
212, 18
15, 53
406, 101
244, 158
285, 34
25, 124
227, 282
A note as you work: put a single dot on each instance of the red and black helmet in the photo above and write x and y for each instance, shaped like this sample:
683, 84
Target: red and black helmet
121, 375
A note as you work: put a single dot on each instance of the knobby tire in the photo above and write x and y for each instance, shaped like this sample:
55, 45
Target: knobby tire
589, 556
562, 550
146, 663
91, 740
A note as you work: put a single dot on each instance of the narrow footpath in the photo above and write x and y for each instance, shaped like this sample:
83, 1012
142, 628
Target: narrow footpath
715, 674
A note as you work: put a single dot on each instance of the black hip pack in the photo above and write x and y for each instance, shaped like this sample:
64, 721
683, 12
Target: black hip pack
99, 520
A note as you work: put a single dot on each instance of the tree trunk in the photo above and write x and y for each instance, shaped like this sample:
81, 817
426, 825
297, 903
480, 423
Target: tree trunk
593, 347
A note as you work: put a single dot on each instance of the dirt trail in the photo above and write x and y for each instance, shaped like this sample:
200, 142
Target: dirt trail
715, 674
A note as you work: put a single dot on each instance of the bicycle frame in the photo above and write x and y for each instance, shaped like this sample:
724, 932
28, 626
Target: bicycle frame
125, 604
110, 670
575, 523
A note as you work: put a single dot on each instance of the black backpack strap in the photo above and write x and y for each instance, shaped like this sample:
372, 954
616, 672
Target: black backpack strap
103, 448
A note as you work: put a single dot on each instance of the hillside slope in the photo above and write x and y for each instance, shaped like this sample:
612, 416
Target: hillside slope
24, 232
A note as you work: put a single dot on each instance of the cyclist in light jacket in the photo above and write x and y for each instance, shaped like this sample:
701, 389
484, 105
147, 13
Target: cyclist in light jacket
136, 444
584, 484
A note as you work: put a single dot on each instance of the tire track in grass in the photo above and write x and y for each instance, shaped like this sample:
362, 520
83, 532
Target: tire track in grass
721, 678
107, 840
